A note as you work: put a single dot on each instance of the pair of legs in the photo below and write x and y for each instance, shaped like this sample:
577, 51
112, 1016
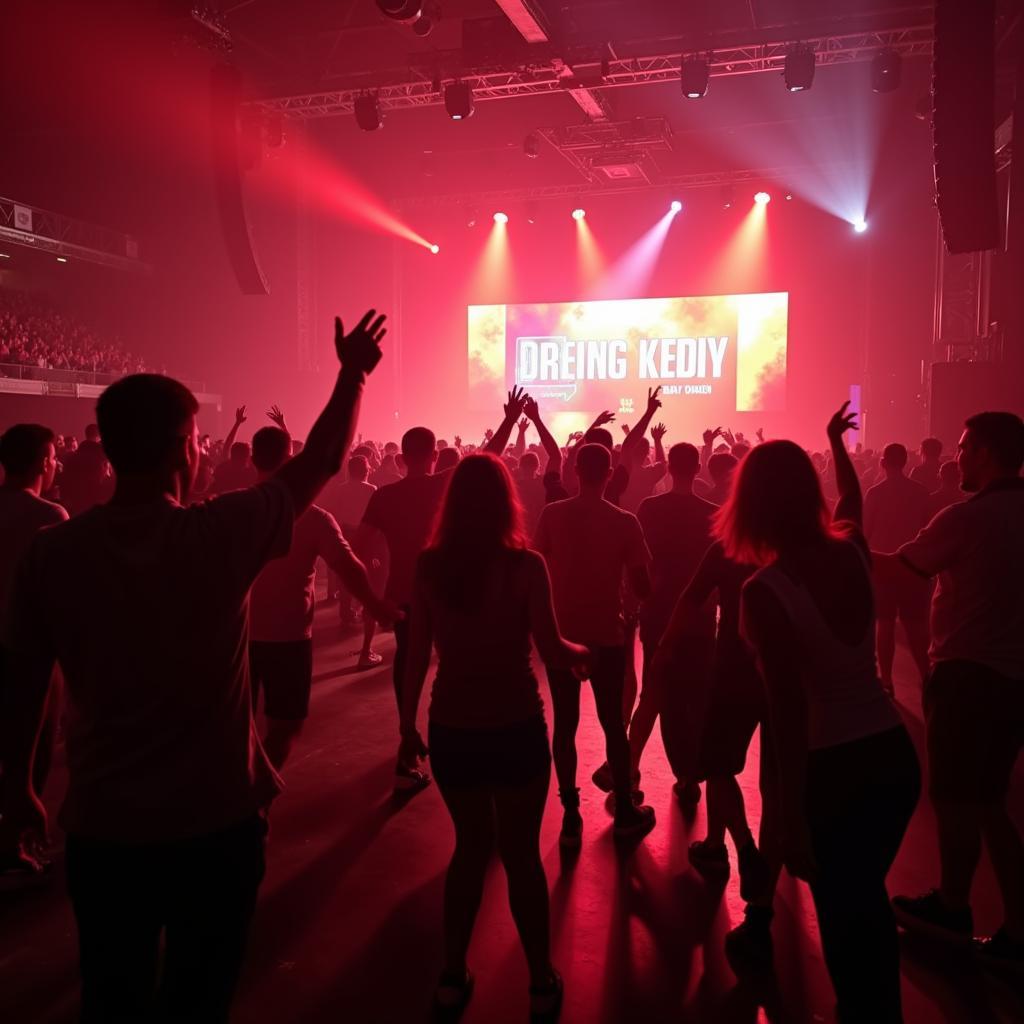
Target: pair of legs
284, 672
860, 796
200, 893
607, 680
495, 785
975, 723
907, 600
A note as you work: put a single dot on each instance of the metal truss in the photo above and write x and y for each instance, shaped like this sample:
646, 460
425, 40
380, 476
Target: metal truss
553, 76
64, 236
670, 183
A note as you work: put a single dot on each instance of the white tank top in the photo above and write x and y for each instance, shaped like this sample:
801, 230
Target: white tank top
845, 697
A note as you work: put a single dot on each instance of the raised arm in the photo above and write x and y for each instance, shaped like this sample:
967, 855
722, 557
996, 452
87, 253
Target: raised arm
277, 418
633, 437
520, 446
358, 352
240, 418
707, 450
554, 453
513, 410
658, 432
850, 506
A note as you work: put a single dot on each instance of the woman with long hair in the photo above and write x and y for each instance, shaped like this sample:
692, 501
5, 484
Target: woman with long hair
479, 597
848, 774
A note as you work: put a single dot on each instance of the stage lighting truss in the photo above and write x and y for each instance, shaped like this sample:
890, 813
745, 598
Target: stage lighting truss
369, 116
458, 100
798, 70
543, 77
694, 75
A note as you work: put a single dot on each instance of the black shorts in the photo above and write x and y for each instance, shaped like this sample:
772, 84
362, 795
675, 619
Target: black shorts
975, 727
284, 671
738, 705
907, 598
498, 756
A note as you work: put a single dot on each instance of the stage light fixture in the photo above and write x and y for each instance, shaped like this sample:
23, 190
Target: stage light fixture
458, 100
500, 218
860, 225
762, 198
400, 10
694, 76
579, 213
886, 71
789, 196
369, 116
798, 72
435, 248
62, 259
531, 146
429, 16
472, 216
675, 206
5, 255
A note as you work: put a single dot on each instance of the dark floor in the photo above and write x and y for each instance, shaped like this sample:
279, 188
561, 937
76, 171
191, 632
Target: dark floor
348, 928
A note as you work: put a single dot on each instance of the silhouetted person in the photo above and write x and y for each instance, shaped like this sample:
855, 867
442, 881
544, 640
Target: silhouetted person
401, 516
926, 472
29, 462
479, 596
894, 510
281, 607
948, 492
848, 774
144, 604
721, 467
86, 480
589, 544
974, 696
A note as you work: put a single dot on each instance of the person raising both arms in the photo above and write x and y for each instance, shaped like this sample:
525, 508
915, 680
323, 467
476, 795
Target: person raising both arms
479, 596
167, 780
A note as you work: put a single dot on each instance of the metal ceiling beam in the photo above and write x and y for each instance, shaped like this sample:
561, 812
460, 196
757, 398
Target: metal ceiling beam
547, 77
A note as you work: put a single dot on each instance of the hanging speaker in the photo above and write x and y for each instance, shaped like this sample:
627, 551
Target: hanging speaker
224, 98
963, 126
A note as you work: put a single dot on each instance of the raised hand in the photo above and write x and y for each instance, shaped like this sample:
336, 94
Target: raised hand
658, 431
653, 401
531, 409
359, 350
277, 418
488, 434
625, 429
760, 435
730, 437
710, 435
240, 416
516, 400
841, 422
603, 418
457, 441
524, 423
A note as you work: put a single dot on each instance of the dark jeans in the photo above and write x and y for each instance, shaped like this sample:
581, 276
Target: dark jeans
200, 892
608, 674
401, 651
859, 799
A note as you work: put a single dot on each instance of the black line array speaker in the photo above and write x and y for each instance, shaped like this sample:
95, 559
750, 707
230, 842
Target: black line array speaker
963, 128
234, 222
962, 389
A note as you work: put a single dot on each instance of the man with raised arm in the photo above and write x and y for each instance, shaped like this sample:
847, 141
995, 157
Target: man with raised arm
144, 604
400, 517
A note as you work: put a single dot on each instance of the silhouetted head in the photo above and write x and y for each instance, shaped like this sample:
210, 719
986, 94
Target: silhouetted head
776, 505
683, 461
740, 450
593, 465
148, 425
358, 468
894, 458
529, 465
949, 474
390, 448
447, 457
92, 432
991, 448
641, 450
418, 449
931, 449
598, 435
241, 452
721, 466
271, 449
28, 455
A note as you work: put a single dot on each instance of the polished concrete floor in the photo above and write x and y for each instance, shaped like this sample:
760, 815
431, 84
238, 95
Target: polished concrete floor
348, 928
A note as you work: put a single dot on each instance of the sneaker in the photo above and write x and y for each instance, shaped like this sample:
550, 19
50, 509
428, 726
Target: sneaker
929, 915
999, 950
371, 659
687, 793
635, 822
749, 945
602, 778
546, 1000
754, 872
410, 780
710, 860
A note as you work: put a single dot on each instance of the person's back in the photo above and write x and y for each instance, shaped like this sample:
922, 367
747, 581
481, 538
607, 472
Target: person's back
948, 492
348, 501
896, 508
85, 481
22, 516
484, 672
926, 473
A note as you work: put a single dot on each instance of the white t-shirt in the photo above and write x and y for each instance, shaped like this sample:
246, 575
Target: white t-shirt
976, 548
588, 545
145, 608
282, 598
22, 516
